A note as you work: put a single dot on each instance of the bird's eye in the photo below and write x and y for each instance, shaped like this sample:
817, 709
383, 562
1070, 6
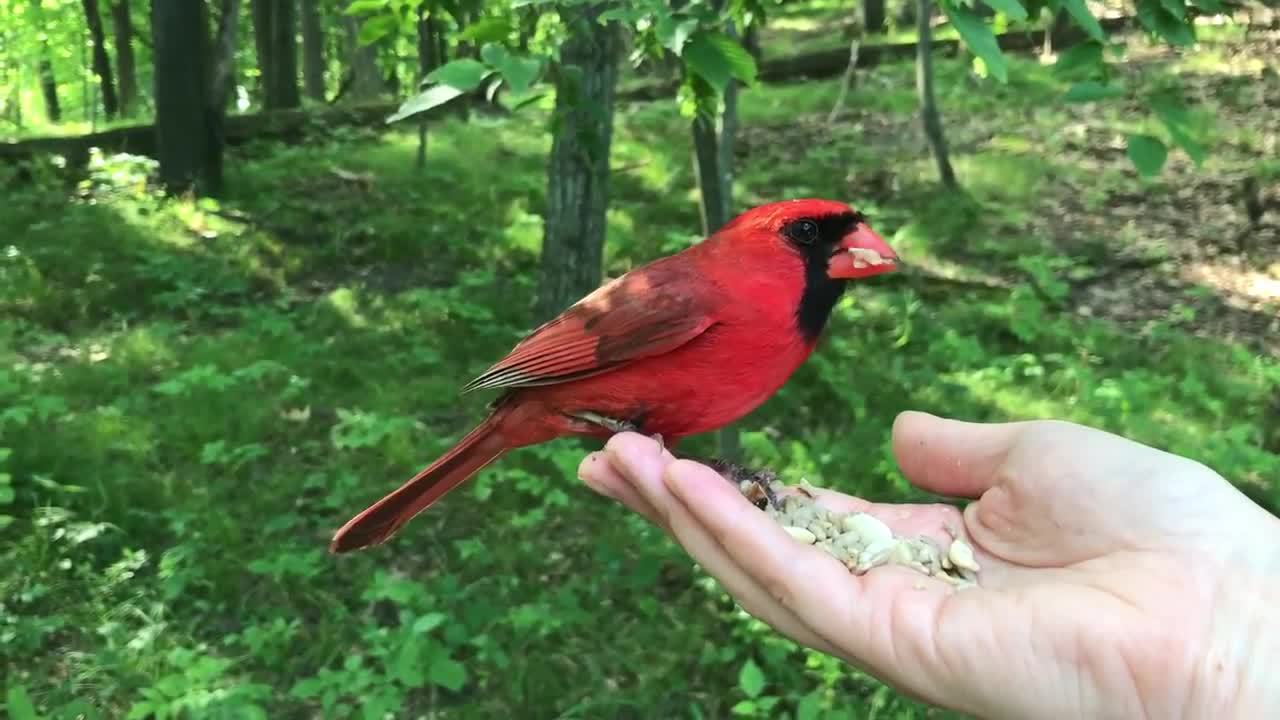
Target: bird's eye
803, 232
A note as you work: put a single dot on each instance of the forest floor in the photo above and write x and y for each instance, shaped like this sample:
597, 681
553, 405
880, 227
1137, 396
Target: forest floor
194, 395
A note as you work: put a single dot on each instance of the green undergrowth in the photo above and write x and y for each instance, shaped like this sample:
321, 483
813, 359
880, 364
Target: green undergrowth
194, 395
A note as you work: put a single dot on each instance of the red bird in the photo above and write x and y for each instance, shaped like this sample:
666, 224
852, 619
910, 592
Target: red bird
683, 345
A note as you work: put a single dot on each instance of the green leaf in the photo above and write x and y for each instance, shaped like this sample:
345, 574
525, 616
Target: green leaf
376, 28
493, 54
360, 7
1090, 91
6, 494
1177, 120
716, 58
978, 37
1176, 8
1012, 8
627, 16
428, 622
488, 29
1147, 153
18, 704
1189, 144
465, 74
433, 96
448, 673
751, 679
810, 708
1085, 19
408, 664
673, 33
518, 71
1179, 32
1155, 18
5, 521
1082, 61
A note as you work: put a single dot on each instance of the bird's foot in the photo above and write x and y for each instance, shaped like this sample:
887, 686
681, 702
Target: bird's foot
615, 425
755, 485
611, 424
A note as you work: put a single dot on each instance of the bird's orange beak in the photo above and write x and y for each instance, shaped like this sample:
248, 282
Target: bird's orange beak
862, 253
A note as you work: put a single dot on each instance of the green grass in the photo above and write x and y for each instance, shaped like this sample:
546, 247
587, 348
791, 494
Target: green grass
194, 395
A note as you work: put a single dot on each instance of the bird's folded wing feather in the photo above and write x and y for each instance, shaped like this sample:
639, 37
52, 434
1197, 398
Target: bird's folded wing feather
638, 315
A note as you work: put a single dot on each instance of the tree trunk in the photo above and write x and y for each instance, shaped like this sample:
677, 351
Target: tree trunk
850, 74
751, 40
224, 56
924, 89
274, 25
312, 50
183, 130
873, 15
101, 63
44, 70
49, 88
220, 83
427, 61
126, 69
713, 137
578, 168
706, 165
366, 82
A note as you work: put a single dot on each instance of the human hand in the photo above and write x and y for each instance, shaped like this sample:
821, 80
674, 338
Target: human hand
1117, 580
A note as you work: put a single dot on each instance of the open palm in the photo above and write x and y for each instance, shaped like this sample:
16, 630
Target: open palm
1116, 581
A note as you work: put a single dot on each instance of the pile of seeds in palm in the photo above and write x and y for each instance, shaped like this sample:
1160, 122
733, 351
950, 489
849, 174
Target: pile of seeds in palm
862, 541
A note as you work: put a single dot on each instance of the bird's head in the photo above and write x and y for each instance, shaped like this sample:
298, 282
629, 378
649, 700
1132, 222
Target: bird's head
814, 246
827, 236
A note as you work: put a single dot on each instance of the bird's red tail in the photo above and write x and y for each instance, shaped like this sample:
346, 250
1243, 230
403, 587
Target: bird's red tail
381, 520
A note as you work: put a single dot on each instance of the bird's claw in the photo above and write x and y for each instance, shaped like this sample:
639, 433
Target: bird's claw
615, 425
755, 485
611, 424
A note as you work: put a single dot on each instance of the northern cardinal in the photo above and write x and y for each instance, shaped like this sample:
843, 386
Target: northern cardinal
683, 345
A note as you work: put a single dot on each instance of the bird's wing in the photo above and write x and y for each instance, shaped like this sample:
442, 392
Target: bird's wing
638, 315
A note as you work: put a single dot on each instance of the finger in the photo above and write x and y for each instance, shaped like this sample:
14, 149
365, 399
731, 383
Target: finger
637, 459
600, 475
856, 613
951, 457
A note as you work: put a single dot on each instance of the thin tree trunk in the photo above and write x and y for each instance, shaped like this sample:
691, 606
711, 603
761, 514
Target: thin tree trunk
284, 37
706, 165
312, 50
713, 137
101, 62
220, 83
49, 88
126, 69
846, 82
873, 15
44, 69
262, 14
224, 59
274, 25
578, 168
924, 89
426, 63
183, 133
366, 82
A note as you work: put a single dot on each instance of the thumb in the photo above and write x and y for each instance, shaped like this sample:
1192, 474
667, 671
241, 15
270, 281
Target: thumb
951, 457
